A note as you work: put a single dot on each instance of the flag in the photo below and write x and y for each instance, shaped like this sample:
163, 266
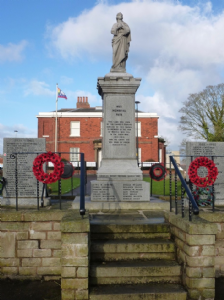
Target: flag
61, 94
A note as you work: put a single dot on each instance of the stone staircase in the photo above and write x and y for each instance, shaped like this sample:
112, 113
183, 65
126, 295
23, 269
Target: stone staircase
133, 261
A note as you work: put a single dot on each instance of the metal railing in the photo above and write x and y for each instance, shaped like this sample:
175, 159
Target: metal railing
82, 210
192, 203
178, 187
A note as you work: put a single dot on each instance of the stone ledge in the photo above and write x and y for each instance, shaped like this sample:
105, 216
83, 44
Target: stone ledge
73, 222
214, 217
27, 216
197, 226
21, 277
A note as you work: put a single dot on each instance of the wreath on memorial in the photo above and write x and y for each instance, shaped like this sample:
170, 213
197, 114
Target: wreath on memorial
157, 172
202, 181
203, 196
38, 167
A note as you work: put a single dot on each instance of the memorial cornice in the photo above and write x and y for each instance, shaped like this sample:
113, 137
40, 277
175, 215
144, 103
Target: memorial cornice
118, 84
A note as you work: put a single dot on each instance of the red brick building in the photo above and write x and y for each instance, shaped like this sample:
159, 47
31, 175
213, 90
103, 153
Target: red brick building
79, 130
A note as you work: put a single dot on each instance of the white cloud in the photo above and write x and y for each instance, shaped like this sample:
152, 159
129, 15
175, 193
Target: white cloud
161, 30
176, 48
38, 88
12, 52
66, 80
9, 132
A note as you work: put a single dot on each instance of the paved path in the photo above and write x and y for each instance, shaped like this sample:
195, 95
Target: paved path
76, 191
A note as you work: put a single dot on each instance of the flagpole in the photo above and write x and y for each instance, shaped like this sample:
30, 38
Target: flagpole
56, 120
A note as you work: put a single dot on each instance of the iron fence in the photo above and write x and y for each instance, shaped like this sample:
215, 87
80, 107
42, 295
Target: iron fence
82, 165
175, 172
190, 187
179, 185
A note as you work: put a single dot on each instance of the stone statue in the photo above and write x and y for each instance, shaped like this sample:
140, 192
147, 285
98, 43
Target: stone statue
120, 44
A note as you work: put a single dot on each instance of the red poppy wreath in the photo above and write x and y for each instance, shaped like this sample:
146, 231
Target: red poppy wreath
202, 181
38, 167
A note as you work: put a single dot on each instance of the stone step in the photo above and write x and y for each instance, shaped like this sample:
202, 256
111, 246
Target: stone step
129, 230
129, 235
138, 292
109, 250
134, 272
132, 245
132, 256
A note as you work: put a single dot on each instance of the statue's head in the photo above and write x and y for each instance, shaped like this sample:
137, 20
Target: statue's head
119, 16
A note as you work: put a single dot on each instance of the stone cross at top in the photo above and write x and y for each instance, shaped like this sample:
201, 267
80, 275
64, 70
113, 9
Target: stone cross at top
120, 44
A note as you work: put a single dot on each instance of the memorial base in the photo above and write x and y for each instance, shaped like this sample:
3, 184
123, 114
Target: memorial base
219, 202
24, 202
117, 191
110, 207
120, 169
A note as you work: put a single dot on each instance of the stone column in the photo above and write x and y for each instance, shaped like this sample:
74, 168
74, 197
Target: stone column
195, 243
119, 178
75, 257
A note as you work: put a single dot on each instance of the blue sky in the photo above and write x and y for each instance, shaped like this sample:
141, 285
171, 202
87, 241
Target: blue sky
176, 48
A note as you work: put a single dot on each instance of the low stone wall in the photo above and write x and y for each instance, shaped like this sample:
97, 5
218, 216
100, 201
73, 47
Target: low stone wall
218, 219
31, 244
195, 243
47, 244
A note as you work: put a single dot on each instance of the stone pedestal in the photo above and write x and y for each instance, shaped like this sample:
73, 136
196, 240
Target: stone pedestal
119, 178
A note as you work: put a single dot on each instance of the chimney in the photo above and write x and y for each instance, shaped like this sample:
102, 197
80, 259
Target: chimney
82, 102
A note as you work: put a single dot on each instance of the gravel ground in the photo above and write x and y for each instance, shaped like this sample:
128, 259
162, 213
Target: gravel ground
30, 290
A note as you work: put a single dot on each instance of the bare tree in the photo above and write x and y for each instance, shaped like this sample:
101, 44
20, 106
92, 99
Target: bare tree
203, 114
182, 147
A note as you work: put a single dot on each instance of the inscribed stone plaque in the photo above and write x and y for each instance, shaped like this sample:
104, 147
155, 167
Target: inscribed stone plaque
209, 149
119, 191
27, 183
119, 127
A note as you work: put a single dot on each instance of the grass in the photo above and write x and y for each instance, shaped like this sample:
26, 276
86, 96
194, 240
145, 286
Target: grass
65, 186
158, 187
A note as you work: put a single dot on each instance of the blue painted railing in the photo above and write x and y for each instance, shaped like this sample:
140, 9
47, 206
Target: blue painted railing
192, 203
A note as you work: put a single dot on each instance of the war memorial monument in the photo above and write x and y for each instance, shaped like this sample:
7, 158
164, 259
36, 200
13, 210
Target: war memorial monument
143, 252
119, 178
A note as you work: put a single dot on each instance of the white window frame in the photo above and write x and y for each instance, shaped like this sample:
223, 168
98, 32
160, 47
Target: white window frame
101, 128
160, 155
75, 128
139, 155
139, 128
74, 156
